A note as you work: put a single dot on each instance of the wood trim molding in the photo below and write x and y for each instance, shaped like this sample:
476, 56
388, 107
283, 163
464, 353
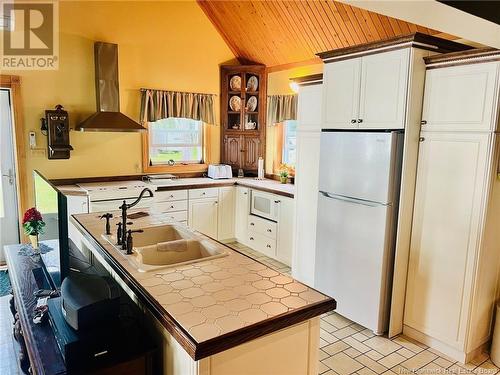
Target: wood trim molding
180, 168
14, 84
417, 40
311, 79
463, 57
278, 68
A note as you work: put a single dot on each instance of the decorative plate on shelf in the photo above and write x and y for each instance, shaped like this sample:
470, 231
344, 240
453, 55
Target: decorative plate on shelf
252, 104
235, 103
235, 83
252, 84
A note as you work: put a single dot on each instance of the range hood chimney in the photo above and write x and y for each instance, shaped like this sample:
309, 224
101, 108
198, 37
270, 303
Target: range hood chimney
108, 117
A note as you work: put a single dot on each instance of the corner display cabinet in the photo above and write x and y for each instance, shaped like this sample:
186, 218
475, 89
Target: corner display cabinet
243, 115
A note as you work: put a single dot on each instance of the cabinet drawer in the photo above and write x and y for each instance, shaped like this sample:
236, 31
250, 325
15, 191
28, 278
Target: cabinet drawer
171, 195
262, 226
203, 193
261, 243
170, 206
180, 216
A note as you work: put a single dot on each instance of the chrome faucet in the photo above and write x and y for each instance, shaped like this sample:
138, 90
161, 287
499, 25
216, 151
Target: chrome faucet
124, 207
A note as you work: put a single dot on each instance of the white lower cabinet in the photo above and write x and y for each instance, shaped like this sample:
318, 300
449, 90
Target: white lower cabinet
203, 216
242, 210
76, 205
453, 267
226, 213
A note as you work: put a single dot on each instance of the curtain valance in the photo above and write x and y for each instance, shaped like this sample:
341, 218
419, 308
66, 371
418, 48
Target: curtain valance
281, 108
160, 104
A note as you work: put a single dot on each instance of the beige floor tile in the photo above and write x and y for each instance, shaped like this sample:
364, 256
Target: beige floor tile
327, 326
382, 345
336, 347
373, 354
351, 352
357, 327
323, 355
459, 369
431, 369
330, 372
366, 371
327, 336
392, 360
338, 320
439, 354
443, 362
405, 352
367, 333
486, 368
356, 344
480, 358
389, 372
420, 360
323, 343
344, 332
371, 364
409, 344
322, 368
400, 370
360, 337
343, 364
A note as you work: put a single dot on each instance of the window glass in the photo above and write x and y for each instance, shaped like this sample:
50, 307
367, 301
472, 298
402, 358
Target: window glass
177, 139
289, 142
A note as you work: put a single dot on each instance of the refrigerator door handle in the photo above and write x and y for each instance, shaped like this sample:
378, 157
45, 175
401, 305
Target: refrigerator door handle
352, 200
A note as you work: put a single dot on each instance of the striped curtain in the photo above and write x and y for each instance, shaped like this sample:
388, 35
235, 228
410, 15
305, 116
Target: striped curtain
281, 108
159, 104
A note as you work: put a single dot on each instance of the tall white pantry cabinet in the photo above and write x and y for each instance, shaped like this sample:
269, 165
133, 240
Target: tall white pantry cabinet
452, 282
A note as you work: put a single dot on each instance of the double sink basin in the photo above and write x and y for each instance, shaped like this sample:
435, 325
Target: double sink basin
170, 245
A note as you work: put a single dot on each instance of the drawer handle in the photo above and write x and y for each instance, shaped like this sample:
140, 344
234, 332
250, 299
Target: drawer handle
423, 122
171, 206
421, 139
269, 246
269, 230
277, 201
203, 193
251, 238
252, 224
360, 120
171, 196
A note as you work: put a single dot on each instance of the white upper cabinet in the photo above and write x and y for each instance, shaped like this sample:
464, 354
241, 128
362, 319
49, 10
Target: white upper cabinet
341, 94
384, 81
460, 97
367, 92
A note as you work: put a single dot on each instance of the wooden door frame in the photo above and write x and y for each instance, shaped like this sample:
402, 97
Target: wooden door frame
14, 84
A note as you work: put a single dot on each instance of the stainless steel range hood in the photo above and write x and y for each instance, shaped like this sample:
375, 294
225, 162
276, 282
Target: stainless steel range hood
108, 117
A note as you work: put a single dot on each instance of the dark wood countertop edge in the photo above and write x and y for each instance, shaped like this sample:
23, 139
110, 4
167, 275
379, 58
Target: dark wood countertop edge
417, 40
36, 361
218, 344
268, 190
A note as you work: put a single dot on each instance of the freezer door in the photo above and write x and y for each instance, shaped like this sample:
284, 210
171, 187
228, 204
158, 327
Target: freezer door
354, 257
361, 165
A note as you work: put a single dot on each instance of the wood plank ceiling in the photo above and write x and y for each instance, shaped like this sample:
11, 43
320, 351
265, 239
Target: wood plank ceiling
280, 34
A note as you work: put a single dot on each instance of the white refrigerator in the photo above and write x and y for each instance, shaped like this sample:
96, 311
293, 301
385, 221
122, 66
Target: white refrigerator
357, 216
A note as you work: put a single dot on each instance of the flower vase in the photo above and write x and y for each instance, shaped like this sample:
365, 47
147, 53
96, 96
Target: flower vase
283, 179
34, 242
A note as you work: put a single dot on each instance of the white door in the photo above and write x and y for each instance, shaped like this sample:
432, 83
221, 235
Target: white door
226, 212
384, 81
341, 94
353, 252
451, 178
203, 216
460, 97
242, 212
9, 219
286, 237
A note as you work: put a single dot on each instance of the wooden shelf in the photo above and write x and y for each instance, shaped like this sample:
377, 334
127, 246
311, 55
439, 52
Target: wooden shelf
233, 112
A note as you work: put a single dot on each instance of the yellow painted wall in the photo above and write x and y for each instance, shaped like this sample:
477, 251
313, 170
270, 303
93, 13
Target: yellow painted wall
166, 45
279, 84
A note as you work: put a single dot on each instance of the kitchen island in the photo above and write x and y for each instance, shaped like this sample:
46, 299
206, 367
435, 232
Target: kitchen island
224, 315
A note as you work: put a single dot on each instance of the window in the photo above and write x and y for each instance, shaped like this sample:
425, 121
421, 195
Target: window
177, 139
289, 142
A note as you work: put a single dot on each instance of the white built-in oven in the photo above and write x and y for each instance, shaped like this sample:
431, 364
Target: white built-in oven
265, 205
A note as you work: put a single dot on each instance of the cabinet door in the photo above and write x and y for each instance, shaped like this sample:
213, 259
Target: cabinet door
203, 216
232, 150
306, 201
460, 97
285, 241
341, 94
226, 213
251, 152
384, 80
241, 213
451, 179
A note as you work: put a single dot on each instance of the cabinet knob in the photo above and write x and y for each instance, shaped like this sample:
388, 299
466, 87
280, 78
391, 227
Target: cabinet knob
269, 246
203, 193
360, 120
353, 121
421, 139
277, 201
171, 195
423, 122
245, 193
252, 224
251, 238
269, 230
171, 206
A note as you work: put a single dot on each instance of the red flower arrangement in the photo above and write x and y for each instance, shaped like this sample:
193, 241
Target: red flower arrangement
33, 222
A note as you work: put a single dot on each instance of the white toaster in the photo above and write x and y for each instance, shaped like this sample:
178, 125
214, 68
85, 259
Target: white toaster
220, 171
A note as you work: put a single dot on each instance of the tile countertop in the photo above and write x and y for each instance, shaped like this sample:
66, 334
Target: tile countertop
213, 305
271, 186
